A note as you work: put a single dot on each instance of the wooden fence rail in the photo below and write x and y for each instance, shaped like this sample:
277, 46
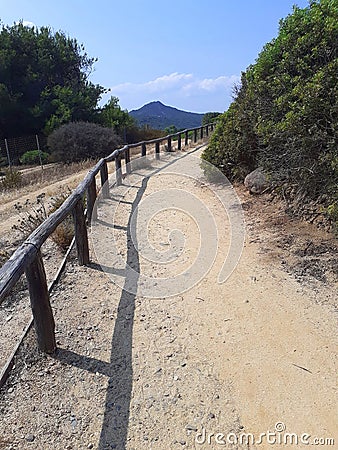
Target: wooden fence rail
27, 258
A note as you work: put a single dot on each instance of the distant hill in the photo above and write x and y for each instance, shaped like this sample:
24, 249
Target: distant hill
160, 116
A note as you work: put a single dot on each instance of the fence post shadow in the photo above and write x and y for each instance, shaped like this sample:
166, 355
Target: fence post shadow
116, 415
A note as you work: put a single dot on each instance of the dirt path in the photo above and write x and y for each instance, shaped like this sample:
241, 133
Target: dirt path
136, 372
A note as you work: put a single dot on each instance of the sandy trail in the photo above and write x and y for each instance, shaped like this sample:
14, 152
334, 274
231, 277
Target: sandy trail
157, 373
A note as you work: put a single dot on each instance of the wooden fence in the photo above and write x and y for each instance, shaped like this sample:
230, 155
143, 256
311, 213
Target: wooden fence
27, 258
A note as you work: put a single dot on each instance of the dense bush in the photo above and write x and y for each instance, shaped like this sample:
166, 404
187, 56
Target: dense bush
80, 140
33, 157
284, 115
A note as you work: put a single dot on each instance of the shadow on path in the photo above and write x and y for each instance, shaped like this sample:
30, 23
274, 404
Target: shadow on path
116, 416
119, 370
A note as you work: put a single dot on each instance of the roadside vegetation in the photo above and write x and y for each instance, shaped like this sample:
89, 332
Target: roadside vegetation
284, 113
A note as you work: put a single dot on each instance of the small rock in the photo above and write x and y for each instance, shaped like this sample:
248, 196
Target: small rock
30, 437
10, 390
256, 182
90, 446
211, 416
191, 428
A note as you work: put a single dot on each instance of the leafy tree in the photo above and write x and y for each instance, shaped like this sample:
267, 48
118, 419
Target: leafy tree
210, 117
43, 81
284, 114
111, 115
81, 140
171, 130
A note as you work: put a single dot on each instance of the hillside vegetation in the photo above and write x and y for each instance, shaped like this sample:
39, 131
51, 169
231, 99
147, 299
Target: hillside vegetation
284, 113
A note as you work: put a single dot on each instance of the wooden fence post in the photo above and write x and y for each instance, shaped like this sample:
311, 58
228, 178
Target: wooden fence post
179, 142
104, 180
195, 136
157, 150
40, 304
127, 160
207, 130
186, 137
143, 149
81, 235
91, 198
202, 132
169, 144
118, 170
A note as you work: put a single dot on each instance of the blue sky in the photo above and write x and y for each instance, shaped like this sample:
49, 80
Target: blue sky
185, 53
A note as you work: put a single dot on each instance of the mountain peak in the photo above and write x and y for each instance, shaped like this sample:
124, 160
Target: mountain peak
157, 115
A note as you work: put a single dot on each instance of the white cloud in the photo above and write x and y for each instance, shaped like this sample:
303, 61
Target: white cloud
27, 23
183, 90
212, 84
160, 84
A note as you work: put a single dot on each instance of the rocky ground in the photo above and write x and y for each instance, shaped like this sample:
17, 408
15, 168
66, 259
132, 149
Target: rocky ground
248, 355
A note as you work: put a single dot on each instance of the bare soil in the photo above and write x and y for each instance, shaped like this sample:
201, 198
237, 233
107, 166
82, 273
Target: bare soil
155, 373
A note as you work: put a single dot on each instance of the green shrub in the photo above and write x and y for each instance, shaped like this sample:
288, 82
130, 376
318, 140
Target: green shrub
284, 113
3, 162
33, 157
210, 117
77, 141
11, 180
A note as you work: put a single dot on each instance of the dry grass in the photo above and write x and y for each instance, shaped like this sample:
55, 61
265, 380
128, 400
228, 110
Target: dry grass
33, 180
64, 233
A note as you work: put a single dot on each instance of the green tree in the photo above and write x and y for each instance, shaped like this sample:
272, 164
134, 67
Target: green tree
210, 117
44, 81
172, 129
111, 115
